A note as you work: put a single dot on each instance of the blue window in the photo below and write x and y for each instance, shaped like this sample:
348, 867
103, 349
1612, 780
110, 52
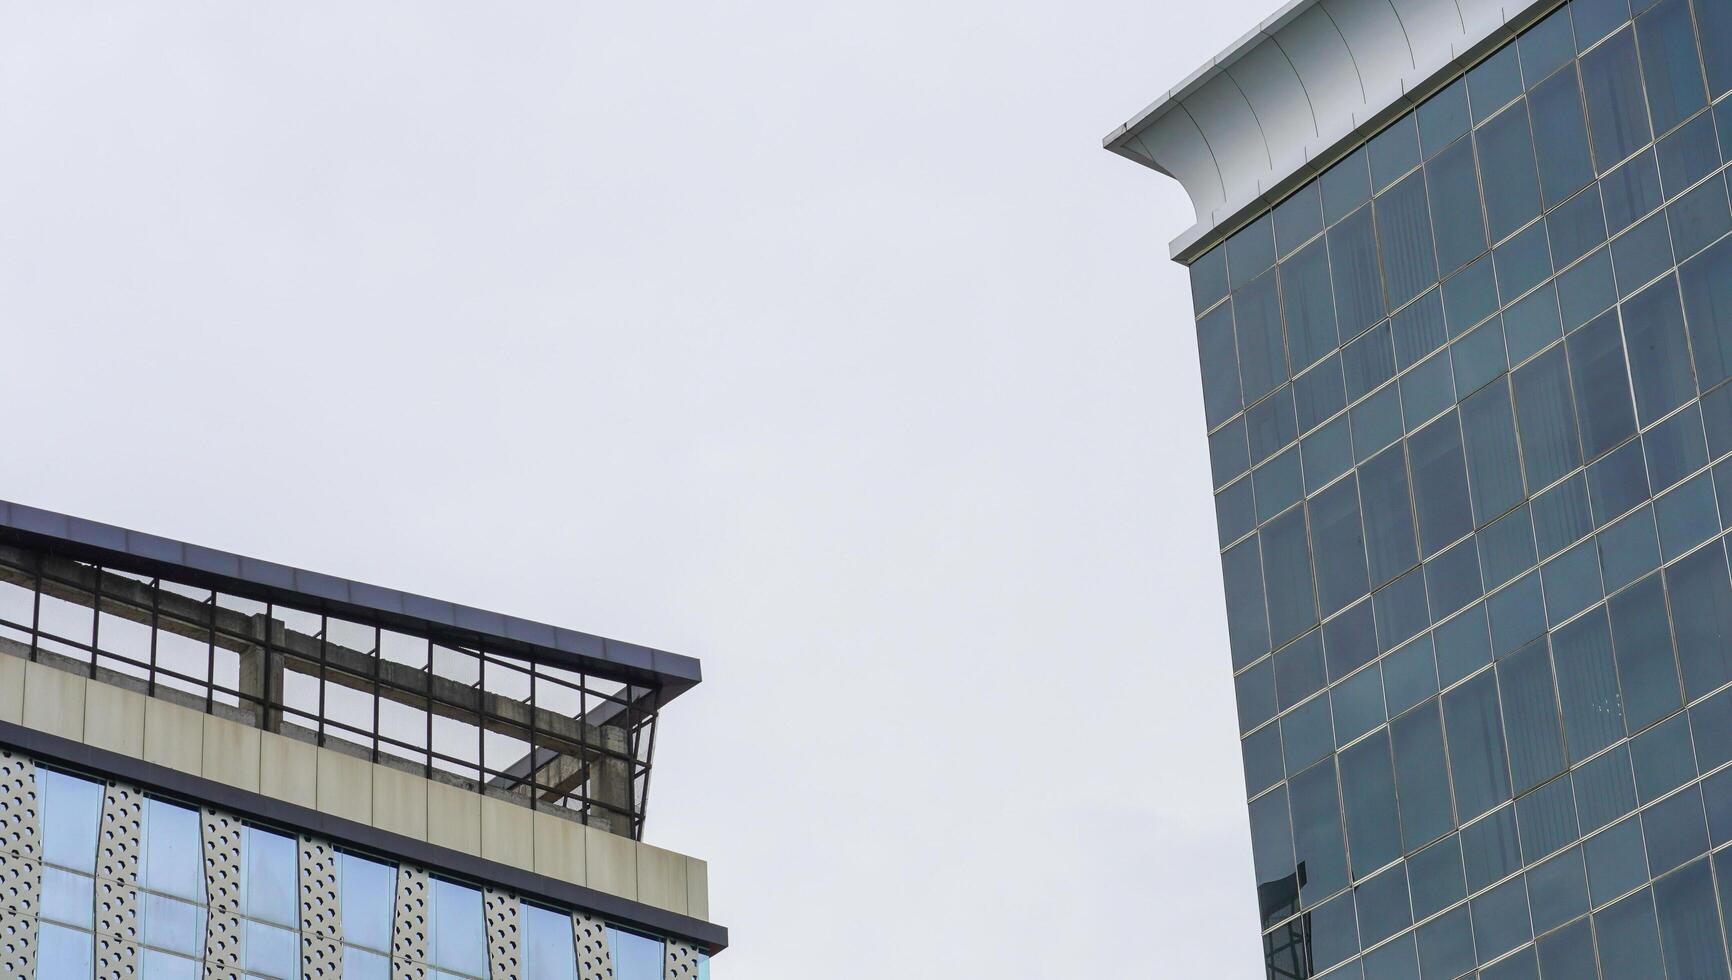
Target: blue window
1479, 772
1602, 387
1368, 792
1561, 136
1353, 269
458, 935
1453, 183
635, 957
1707, 284
1317, 839
1669, 62
1309, 303
1220, 362
1440, 484
1340, 546
1642, 639
548, 953
1617, 112
1262, 349
1512, 186
1547, 418
1658, 349
1389, 536
368, 901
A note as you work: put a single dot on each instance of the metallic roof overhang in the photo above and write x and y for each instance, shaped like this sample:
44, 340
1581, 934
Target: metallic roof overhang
263, 580
1294, 95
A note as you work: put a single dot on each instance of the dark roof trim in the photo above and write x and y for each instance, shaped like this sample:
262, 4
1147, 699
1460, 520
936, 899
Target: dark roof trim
264, 580
710, 937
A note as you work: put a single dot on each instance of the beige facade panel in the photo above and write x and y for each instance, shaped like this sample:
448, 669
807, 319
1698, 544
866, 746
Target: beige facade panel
129, 723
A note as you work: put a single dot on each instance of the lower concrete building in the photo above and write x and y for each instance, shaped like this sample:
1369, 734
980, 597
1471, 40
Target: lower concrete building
215, 766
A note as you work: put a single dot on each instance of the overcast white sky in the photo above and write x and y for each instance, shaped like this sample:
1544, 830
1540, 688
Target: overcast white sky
820, 341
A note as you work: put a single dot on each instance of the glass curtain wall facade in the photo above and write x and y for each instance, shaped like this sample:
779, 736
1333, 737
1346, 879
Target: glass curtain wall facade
162, 888
1470, 428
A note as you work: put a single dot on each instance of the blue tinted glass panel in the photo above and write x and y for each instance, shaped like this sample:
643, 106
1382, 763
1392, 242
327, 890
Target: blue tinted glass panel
1444, 117
1489, 848
1298, 218
1629, 939
1278, 484
1479, 356
1546, 418
1247, 622
1309, 304
1642, 254
1317, 839
1393, 152
1494, 82
1439, 484
1422, 778
1353, 269
1287, 577
1577, 227
1699, 217
1470, 296
1631, 191
1262, 350
1561, 515
1209, 279
1673, 72
1493, 461
1702, 619
1506, 547
1250, 252
1676, 447
1643, 644
1536, 750
1476, 746
1602, 387
1220, 363
1617, 113
1512, 188
1389, 533
1707, 284
1629, 549
1340, 546
1658, 349
1588, 685
1319, 394
1587, 290
1453, 182
1368, 791
1690, 935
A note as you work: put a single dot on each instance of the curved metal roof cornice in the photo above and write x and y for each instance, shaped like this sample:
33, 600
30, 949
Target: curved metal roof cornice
1267, 113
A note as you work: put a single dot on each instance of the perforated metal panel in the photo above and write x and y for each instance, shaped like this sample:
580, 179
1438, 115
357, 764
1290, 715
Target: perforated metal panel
682, 961
409, 926
504, 941
17, 945
20, 827
321, 913
117, 852
594, 956
222, 878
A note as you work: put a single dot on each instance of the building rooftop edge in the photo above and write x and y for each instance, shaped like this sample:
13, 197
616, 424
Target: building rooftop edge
675, 673
1278, 105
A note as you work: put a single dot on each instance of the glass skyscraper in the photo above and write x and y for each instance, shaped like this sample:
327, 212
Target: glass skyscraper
1465, 361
